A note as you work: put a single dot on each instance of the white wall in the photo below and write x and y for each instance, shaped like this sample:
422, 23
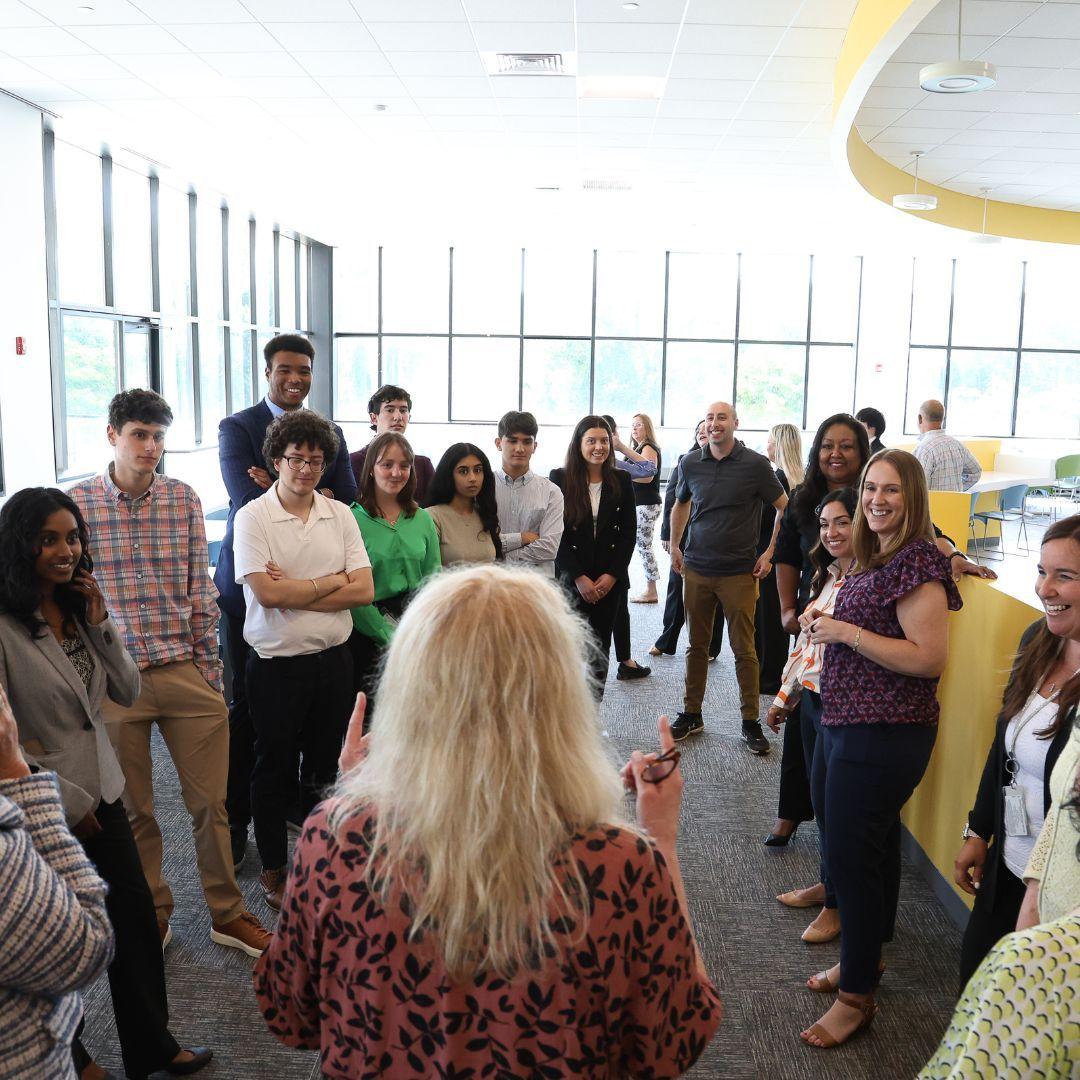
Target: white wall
25, 381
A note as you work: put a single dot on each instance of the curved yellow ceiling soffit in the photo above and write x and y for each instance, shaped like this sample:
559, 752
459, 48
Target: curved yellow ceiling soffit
877, 30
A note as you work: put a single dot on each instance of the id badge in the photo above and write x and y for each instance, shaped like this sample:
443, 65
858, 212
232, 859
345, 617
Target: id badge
1016, 819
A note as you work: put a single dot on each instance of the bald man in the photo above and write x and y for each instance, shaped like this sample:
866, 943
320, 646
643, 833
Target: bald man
721, 491
949, 465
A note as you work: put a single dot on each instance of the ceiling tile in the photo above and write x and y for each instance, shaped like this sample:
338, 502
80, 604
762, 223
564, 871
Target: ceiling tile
981, 17
224, 37
706, 89
626, 37
262, 87
811, 42
739, 141
14, 13
933, 48
323, 37
519, 10
526, 86
42, 90
831, 14
654, 11
436, 64
195, 11
423, 37
736, 40
376, 86
717, 110
943, 118
524, 37
738, 13
66, 68
767, 128
702, 144
151, 67
701, 66
1032, 52
1051, 21
799, 69
305, 107
120, 40
546, 107
43, 41
807, 93
467, 123
1063, 81
779, 110
279, 64
306, 12
551, 124
640, 125
701, 126
116, 89
412, 10
363, 107
477, 106
324, 64
449, 86
917, 138
12, 70
654, 65
595, 107
101, 13
1029, 122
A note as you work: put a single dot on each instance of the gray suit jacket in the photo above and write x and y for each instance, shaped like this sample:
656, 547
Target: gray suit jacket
60, 726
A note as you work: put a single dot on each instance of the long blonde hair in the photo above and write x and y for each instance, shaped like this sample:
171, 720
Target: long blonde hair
647, 428
484, 761
916, 523
789, 455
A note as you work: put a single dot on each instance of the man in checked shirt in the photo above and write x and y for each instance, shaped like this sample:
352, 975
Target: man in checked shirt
148, 543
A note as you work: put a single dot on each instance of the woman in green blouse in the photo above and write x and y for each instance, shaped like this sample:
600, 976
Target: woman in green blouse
402, 545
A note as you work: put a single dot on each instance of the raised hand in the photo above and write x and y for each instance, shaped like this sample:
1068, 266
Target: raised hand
96, 612
354, 749
657, 803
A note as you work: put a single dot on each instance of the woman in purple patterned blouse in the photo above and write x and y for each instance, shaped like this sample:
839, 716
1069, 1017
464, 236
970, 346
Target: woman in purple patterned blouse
886, 647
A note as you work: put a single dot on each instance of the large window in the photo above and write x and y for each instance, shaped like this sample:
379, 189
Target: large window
569, 331
152, 285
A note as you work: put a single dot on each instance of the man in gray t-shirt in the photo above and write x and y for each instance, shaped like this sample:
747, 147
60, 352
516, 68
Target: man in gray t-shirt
721, 491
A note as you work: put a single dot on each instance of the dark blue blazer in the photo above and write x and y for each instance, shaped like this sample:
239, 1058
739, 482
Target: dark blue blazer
240, 439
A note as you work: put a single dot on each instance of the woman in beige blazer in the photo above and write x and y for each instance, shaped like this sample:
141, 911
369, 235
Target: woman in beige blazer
60, 654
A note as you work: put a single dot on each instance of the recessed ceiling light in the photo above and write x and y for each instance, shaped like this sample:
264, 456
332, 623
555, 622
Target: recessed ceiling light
85, 7
630, 6
380, 107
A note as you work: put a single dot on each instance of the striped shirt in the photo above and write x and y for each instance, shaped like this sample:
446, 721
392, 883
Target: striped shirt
54, 927
949, 465
151, 563
529, 503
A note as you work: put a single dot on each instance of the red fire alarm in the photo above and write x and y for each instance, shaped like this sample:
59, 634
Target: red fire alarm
20, 346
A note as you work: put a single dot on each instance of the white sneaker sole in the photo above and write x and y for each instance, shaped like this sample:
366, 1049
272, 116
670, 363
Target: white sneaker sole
166, 941
233, 943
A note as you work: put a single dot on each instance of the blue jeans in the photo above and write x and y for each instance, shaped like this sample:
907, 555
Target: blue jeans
870, 772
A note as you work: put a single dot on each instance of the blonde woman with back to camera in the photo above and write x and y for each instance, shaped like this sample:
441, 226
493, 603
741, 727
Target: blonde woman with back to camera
473, 895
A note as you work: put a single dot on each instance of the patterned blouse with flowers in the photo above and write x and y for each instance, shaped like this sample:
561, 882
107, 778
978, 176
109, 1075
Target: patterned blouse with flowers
342, 977
855, 690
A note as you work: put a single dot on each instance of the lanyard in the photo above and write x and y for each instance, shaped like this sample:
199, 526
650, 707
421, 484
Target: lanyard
1029, 714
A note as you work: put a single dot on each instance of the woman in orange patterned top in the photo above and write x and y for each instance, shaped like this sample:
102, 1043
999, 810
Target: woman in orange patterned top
472, 900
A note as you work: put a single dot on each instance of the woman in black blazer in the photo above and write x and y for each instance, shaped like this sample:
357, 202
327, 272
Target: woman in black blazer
980, 867
600, 527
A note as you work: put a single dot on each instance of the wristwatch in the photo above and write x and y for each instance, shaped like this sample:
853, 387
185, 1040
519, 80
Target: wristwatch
957, 554
969, 833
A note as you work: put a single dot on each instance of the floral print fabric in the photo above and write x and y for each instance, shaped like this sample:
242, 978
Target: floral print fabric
626, 999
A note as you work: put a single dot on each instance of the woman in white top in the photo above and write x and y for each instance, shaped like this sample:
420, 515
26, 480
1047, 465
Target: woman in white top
832, 559
1034, 730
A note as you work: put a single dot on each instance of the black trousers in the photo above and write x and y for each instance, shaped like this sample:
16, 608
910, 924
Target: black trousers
367, 657
794, 803
300, 705
991, 919
675, 616
810, 729
620, 633
601, 618
867, 772
770, 637
137, 973
241, 733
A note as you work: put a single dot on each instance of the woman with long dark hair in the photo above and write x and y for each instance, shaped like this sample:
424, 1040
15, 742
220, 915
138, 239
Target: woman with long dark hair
599, 534
461, 501
60, 655
833, 559
839, 451
886, 645
1033, 733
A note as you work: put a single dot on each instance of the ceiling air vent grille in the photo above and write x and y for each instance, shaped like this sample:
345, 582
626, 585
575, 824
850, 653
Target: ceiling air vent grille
609, 184
528, 64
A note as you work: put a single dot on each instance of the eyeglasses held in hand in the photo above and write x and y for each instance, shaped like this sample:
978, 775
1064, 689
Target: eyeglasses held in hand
298, 464
662, 767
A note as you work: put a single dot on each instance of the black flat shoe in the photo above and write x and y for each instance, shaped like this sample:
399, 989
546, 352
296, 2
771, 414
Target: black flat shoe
201, 1058
637, 672
777, 840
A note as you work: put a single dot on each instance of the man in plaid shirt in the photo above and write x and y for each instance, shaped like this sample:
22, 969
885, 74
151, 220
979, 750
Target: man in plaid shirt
148, 543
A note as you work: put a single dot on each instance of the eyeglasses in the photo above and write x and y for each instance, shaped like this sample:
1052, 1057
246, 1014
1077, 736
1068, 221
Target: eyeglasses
299, 464
662, 767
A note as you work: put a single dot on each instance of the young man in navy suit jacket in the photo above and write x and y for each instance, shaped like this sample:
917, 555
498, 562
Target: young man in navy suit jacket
289, 358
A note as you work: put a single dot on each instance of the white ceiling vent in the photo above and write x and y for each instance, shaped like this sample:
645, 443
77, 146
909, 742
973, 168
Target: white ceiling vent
498, 63
605, 184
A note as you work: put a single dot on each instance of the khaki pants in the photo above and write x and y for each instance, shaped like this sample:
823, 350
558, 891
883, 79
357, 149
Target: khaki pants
194, 723
737, 595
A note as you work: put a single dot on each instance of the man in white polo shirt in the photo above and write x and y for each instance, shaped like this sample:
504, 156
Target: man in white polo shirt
303, 565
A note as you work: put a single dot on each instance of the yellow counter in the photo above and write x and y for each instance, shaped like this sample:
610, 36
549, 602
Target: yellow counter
983, 637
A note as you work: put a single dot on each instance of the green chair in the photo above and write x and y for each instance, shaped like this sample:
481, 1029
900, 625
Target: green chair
1010, 508
1067, 472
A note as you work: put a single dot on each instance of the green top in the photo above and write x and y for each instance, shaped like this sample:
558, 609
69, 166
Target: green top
402, 556
1020, 1013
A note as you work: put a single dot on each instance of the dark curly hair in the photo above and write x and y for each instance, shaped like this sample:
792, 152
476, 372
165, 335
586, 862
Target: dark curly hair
300, 427
441, 490
820, 559
21, 521
387, 392
142, 405
365, 494
808, 495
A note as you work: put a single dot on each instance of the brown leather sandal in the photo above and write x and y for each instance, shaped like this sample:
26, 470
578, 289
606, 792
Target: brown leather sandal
826, 986
826, 1039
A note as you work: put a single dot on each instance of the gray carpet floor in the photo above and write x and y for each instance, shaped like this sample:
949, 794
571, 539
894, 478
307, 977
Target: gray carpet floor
750, 942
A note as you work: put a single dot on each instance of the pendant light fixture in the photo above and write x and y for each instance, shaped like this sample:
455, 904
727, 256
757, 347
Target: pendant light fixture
915, 200
984, 237
958, 76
